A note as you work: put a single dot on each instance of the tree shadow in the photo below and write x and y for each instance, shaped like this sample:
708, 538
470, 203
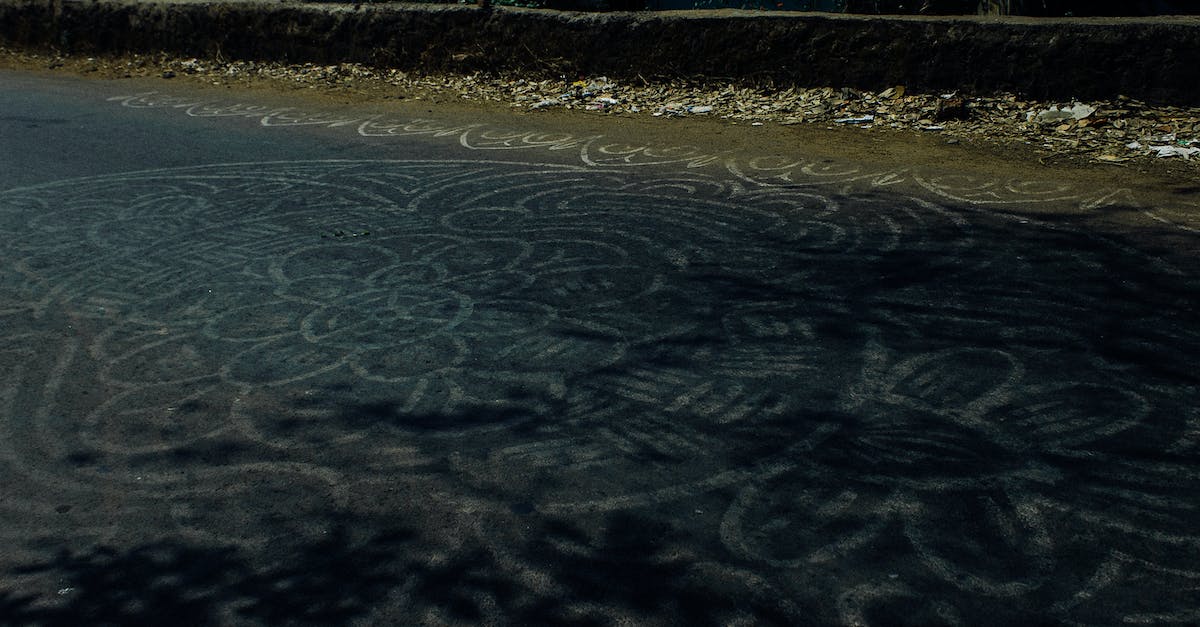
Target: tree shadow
633, 567
1072, 298
330, 581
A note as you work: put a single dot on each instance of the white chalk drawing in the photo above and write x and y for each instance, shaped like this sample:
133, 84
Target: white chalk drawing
601, 152
845, 379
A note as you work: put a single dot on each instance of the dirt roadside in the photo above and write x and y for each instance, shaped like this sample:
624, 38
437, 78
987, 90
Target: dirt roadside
995, 152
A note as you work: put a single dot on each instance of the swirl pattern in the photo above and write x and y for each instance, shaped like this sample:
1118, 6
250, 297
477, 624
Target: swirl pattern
602, 152
873, 405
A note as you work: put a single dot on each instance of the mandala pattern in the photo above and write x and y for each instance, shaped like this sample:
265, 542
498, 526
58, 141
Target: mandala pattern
888, 404
599, 151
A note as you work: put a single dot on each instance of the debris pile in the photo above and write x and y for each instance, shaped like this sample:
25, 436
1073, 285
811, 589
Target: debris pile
1112, 132
1105, 131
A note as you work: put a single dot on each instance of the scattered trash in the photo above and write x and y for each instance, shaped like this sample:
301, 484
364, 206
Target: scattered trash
756, 124
1163, 152
952, 108
1077, 111
671, 109
598, 105
593, 87
65, 591
1100, 131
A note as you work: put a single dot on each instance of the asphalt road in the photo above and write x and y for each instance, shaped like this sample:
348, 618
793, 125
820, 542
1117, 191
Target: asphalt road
263, 364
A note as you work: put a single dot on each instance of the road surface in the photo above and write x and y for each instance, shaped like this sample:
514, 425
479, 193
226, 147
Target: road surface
264, 363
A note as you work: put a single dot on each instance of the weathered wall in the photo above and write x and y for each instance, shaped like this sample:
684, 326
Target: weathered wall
1155, 59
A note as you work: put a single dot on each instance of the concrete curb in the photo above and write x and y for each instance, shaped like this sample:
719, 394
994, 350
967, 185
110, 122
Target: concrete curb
1151, 59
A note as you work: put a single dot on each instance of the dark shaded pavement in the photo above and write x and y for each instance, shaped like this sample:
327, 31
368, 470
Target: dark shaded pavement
265, 376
